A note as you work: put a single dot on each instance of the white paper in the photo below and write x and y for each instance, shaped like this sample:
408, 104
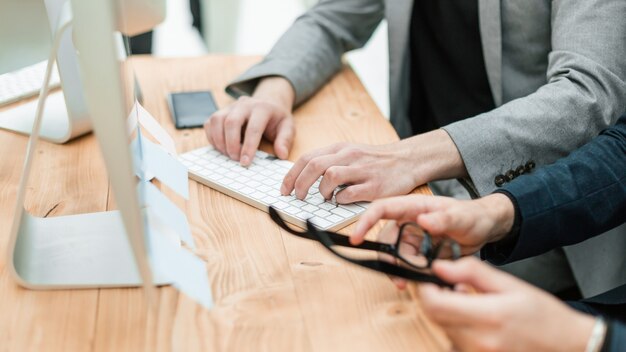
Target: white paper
150, 159
186, 271
166, 213
141, 116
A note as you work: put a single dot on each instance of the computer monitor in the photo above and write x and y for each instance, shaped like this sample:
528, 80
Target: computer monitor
104, 249
25, 39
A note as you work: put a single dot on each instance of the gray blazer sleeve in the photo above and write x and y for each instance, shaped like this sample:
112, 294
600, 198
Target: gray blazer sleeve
585, 92
309, 53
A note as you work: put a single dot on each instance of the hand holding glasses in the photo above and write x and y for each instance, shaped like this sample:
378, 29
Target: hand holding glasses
413, 249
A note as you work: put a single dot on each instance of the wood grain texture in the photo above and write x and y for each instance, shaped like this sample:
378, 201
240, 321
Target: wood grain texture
272, 292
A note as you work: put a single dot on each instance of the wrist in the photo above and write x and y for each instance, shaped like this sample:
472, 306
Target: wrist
586, 334
276, 90
501, 212
435, 157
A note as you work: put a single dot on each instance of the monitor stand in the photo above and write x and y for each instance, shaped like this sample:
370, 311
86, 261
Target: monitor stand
56, 127
75, 251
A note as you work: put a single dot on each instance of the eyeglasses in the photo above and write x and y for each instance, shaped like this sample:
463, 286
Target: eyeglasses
413, 249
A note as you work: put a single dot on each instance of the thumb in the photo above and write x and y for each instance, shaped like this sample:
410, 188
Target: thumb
285, 133
479, 275
436, 223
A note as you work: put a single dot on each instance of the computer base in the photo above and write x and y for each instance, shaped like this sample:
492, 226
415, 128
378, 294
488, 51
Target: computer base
56, 126
75, 251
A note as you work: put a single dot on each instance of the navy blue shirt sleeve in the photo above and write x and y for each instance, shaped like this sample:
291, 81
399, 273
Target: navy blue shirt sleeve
578, 197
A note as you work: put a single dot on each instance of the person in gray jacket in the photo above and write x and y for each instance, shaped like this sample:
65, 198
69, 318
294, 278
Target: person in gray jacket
482, 91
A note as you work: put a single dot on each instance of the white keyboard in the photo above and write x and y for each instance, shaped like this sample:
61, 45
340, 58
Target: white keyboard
259, 186
24, 83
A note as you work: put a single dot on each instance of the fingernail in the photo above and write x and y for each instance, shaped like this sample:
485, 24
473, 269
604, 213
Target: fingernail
245, 160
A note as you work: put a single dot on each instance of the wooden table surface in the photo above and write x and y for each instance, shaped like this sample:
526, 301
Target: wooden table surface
272, 291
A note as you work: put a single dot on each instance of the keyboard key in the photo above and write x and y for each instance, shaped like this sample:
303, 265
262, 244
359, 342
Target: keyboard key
254, 184
303, 215
297, 203
263, 188
286, 199
277, 177
352, 207
327, 206
270, 200
342, 212
281, 205
320, 222
292, 210
256, 168
223, 171
275, 193
334, 218
310, 208
322, 213
205, 173
246, 190
257, 195
315, 199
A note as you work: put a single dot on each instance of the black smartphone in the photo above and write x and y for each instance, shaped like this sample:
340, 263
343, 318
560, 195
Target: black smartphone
191, 109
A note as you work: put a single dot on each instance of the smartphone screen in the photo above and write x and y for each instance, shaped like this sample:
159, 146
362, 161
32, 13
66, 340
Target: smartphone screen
191, 109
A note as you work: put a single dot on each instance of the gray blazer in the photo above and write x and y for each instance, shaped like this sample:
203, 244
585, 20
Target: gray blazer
557, 71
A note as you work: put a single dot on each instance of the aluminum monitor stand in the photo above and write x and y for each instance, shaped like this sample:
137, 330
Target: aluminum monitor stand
66, 115
105, 249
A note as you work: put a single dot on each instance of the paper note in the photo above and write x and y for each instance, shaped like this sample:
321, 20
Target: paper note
141, 116
152, 160
166, 214
186, 271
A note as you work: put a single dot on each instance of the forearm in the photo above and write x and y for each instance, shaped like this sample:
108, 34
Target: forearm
433, 156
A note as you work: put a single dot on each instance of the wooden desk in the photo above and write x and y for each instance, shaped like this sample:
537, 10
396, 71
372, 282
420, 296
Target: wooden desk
272, 291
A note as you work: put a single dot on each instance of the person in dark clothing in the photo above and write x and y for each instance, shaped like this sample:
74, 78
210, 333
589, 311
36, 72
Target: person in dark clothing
568, 202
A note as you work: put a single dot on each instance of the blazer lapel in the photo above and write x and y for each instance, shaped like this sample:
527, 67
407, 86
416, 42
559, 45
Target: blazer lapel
491, 33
